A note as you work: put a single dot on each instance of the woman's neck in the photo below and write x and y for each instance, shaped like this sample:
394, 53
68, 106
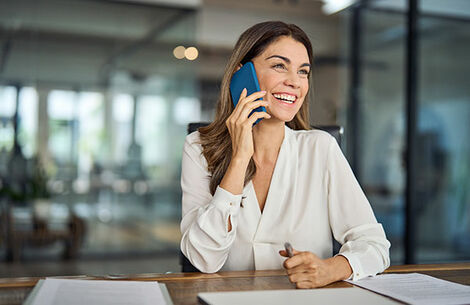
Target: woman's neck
267, 138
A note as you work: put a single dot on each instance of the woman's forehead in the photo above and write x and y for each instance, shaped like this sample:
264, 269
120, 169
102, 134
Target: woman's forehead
287, 47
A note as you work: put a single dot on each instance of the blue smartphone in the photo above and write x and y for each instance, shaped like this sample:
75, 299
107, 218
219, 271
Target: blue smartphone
245, 77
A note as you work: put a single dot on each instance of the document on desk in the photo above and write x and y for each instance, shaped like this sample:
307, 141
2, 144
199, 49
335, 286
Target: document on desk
415, 288
91, 292
330, 296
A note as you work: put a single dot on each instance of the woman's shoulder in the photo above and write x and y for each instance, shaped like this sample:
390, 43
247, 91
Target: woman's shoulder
193, 142
193, 137
193, 149
312, 137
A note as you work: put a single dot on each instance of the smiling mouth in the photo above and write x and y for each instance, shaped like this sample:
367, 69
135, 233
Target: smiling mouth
285, 98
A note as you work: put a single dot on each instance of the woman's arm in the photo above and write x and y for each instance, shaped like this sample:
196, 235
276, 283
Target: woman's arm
364, 248
209, 222
352, 220
205, 239
233, 180
240, 127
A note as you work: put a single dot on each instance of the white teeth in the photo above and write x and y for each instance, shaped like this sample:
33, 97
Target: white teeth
286, 98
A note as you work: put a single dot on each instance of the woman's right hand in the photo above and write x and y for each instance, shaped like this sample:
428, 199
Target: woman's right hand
240, 126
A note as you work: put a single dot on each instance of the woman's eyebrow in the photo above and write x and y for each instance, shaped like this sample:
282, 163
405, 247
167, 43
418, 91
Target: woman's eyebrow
287, 60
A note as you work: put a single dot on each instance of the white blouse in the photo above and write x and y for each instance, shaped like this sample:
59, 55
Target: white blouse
313, 195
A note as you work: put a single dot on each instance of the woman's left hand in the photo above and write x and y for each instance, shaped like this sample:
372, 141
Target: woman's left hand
306, 270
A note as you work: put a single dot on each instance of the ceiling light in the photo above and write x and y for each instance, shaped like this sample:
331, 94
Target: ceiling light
191, 53
333, 6
179, 52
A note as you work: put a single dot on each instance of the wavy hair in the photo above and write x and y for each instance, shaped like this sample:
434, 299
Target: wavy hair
215, 138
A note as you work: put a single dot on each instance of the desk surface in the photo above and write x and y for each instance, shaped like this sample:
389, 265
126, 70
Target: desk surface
184, 287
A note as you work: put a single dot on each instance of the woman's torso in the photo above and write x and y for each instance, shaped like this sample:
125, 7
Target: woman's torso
295, 209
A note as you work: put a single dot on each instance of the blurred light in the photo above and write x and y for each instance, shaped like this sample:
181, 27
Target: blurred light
191, 53
81, 186
105, 215
82, 210
122, 186
61, 105
107, 177
42, 208
123, 109
59, 212
333, 6
56, 187
179, 52
141, 187
186, 110
28, 112
7, 98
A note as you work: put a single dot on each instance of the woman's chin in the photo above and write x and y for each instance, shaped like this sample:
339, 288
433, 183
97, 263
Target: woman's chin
283, 117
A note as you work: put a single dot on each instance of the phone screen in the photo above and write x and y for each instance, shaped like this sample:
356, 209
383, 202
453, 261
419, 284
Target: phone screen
245, 77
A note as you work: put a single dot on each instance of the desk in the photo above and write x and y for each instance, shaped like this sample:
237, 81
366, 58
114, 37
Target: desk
184, 287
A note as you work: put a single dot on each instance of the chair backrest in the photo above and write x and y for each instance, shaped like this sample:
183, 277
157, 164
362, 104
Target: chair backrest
192, 127
335, 130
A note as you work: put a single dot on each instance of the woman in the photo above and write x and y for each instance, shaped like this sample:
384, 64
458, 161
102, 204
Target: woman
249, 189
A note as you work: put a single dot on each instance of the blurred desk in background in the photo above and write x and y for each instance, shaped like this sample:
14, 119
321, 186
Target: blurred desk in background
184, 287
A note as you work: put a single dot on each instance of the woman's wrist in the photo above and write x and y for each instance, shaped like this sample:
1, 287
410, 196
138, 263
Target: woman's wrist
240, 155
234, 177
339, 268
240, 162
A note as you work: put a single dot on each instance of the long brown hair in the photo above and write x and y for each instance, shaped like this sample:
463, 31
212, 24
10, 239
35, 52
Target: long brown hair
215, 138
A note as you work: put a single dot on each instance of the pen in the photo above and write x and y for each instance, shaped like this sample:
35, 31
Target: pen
289, 250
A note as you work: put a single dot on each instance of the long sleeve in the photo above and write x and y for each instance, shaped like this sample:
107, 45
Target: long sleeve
352, 220
205, 240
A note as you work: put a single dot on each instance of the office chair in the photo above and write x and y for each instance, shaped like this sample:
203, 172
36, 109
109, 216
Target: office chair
335, 130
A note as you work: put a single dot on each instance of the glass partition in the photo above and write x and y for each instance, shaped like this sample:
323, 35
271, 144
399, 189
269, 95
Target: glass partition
442, 201
443, 168
102, 112
381, 121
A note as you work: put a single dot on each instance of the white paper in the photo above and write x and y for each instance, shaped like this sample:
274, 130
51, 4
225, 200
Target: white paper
415, 288
94, 292
329, 296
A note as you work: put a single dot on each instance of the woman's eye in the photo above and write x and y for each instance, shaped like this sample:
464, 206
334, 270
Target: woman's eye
305, 72
279, 66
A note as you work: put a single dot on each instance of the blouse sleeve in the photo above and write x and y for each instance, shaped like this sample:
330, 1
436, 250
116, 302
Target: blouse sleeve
352, 220
204, 226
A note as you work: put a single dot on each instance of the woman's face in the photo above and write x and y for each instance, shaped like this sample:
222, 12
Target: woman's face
282, 71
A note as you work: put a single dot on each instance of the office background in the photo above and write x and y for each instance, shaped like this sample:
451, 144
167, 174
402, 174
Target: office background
95, 98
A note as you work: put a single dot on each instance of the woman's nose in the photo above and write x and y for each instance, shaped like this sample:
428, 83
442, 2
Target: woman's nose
292, 80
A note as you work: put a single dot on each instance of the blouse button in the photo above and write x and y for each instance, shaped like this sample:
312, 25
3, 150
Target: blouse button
231, 203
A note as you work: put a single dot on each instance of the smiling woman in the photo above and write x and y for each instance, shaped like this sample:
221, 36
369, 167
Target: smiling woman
253, 42
283, 70
248, 189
